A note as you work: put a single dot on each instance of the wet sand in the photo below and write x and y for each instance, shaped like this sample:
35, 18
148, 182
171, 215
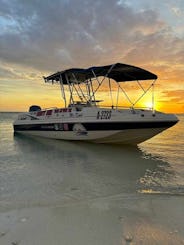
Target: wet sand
118, 219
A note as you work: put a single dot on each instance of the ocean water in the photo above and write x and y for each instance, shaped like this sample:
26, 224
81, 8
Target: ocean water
91, 193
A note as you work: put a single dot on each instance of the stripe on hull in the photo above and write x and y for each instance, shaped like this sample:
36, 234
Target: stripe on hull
94, 126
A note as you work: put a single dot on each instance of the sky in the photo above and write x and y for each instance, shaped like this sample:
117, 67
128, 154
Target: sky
40, 37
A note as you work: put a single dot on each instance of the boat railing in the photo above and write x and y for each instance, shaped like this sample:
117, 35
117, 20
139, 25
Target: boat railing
47, 112
126, 107
49, 108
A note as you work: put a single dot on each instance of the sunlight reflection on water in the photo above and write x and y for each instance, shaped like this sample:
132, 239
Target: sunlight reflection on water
167, 146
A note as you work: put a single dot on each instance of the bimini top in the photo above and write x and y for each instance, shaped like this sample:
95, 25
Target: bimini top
118, 72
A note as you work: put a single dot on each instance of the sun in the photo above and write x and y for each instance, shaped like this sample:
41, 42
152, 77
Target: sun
148, 104
151, 106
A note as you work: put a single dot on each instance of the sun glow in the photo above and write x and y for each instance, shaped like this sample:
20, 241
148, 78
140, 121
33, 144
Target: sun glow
148, 104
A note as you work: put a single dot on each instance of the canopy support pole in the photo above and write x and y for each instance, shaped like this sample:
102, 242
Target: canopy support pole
88, 91
79, 88
93, 94
111, 93
125, 94
80, 97
100, 82
117, 98
140, 85
152, 84
71, 95
153, 98
62, 90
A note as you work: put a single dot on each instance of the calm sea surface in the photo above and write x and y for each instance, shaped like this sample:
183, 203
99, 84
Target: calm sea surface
117, 190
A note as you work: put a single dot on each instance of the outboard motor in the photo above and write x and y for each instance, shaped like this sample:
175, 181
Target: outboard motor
34, 108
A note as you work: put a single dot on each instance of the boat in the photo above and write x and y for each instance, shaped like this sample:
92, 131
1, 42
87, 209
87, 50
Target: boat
82, 117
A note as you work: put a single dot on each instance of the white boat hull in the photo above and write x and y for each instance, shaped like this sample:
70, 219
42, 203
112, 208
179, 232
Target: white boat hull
129, 136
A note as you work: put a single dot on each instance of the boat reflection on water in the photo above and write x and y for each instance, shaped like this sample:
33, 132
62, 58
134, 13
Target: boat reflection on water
95, 170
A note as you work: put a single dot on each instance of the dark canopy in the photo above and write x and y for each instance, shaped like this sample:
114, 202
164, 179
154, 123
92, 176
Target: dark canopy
118, 72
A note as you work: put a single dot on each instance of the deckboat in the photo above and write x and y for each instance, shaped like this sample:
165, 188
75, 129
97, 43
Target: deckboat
83, 119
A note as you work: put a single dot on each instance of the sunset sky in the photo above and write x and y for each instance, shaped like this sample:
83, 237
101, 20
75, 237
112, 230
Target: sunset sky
40, 37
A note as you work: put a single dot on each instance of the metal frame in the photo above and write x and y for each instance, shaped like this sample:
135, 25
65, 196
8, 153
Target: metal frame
88, 94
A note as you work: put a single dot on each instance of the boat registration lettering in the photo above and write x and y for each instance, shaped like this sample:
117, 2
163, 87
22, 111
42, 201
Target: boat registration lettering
103, 115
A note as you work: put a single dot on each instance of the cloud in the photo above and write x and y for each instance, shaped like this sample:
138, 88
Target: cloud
174, 96
49, 35
14, 72
40, 37
5, 73
177, 11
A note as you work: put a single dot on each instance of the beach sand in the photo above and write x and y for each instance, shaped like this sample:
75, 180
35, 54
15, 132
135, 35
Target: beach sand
118, 219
